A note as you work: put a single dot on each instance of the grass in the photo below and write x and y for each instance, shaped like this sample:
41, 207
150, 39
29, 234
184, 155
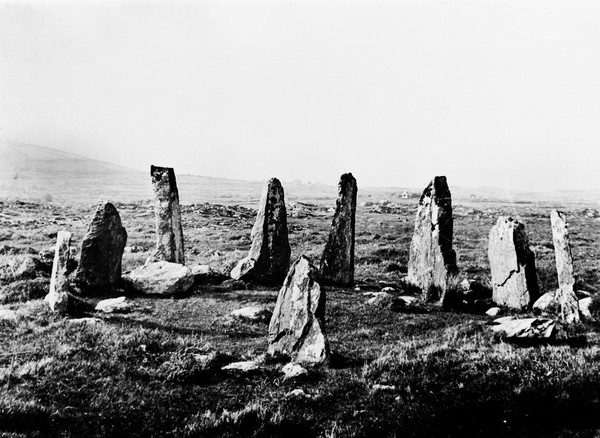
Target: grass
156, 371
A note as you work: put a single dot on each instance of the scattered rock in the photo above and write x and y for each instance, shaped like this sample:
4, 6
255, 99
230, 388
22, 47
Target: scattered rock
58, 297
297, 328
169, 234
253, 314
114, 305
337, 261
101, 251
526, 328
512, 263
493, 311
546, 303
584, 307
297, 393
243, 366
292, 370
160, 278
84, 321
431, 259
378, 387
269, 256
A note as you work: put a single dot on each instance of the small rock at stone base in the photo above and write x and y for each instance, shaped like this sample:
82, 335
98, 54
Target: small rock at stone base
113, 305
244, 366
292, 370
160, 278
584, 307
546, 303
493, 311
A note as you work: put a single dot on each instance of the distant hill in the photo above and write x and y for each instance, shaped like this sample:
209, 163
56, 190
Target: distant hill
30, 172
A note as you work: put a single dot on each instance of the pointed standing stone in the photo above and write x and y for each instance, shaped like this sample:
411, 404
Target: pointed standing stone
566, 298
514, 277
58, 297
431, 259
101, 251
297, 327
169, 234
269, 256
337, 262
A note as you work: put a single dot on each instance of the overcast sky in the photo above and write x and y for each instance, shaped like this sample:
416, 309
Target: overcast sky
488, 93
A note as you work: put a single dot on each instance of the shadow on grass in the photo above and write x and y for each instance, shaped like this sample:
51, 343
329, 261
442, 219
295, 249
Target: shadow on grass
340, 362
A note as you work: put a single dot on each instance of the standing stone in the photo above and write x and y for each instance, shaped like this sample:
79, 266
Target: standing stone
269, 256
337, 262
101, 251
431, 259
58, 297
514, 277
565, 295
169, 234
297, 327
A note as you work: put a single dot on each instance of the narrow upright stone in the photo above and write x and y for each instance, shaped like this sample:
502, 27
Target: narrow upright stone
269, 256
431, 258
169, 234
512, 263
566, 298
297, 327
101, 251
337, 262
58, 297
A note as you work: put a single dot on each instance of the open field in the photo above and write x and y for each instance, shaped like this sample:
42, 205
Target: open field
156, 371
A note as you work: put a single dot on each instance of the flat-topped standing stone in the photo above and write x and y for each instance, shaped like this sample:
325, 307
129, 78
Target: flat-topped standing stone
101, 251
269, 256
58, 297
297, 327
337, 262
169, 234
565, 295
432, 259
514, 278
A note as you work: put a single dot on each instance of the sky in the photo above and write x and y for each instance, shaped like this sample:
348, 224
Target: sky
488, 93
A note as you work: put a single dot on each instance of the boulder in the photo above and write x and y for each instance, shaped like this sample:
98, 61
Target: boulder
269, 256
512, 263
565, 295
99, 268
546, 303
169, 233
113, 305
160, 278
297, 328
58, 297
525, 328
431, 258
253, 314
337, 261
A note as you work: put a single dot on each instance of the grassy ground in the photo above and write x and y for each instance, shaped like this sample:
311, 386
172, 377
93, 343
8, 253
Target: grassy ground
156, 371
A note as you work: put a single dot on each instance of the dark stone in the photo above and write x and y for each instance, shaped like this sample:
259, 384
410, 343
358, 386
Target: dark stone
337, 261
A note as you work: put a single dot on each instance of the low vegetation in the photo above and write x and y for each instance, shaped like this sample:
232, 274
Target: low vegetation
419, 371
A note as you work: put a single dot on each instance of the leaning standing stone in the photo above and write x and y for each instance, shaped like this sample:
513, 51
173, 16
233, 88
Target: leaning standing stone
169, 234
58, 297
514, 277
337, 262
297, 327
431, 259
566, 298
269, 256
101, 251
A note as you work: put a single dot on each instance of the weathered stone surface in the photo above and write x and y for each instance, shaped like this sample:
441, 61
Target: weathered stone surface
565, 295
101, 251
337, 261
546, 303
169, 234
160, 278
432, 259
526, 328
253, 314
269, 256
113, 305
297, 328
514, 277
58, 297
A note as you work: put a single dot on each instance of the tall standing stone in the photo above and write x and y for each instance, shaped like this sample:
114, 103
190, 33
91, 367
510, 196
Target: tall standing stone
514, 277
58, 297
269, 256
102, 251
297, 327
337, 262
566, 298
169, 234
431, 258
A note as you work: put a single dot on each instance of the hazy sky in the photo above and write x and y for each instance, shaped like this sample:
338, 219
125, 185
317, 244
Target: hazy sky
499, 93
